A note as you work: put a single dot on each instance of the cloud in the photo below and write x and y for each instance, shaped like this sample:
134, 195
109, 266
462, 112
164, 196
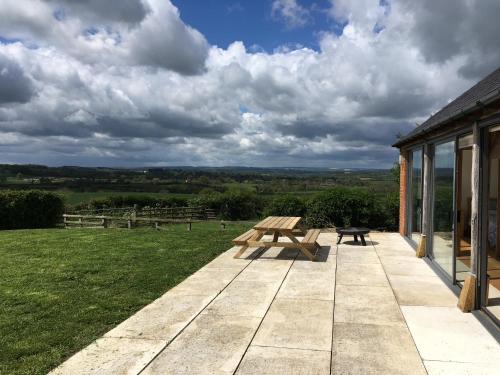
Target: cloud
291, 13
164, 40
141, 87
15, 87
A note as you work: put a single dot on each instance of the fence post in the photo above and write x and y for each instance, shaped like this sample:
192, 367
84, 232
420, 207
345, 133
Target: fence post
80, 221
189, 226
134, 214
157, 226
129, 224
104, 223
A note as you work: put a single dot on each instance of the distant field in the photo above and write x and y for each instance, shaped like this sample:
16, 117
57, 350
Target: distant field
62, 289
74, 198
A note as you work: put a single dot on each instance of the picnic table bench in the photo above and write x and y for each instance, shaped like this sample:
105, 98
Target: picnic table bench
280, 226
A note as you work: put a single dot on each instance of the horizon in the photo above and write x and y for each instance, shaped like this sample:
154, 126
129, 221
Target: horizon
227, 83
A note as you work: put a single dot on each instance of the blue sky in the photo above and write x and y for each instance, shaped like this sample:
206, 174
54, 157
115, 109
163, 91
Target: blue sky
224, 21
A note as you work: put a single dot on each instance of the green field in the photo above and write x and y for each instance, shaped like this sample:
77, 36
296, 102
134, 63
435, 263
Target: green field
62, 289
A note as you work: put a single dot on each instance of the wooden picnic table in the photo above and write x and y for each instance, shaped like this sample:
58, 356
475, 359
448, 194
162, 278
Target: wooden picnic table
280, 226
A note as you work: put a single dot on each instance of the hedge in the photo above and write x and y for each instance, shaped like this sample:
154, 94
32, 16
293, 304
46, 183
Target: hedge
30, 209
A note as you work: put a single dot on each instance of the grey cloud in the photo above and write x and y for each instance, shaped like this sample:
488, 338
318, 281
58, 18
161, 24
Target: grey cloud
447, 29
128, 11
15, 86
163, 40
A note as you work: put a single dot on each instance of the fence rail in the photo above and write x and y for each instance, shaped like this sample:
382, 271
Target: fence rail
132, 217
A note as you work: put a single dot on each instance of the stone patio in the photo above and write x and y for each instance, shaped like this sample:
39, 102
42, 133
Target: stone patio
357, 310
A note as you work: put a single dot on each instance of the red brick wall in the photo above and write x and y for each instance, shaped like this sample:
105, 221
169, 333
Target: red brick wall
402, 192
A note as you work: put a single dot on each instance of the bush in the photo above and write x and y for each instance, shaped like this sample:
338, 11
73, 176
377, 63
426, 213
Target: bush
119, 201
286, 205
232, 205
30, 209
343, 207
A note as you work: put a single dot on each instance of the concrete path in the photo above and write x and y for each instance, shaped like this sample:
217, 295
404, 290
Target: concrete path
358, 310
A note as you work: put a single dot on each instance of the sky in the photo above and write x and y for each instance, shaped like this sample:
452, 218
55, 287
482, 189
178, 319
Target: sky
264, 83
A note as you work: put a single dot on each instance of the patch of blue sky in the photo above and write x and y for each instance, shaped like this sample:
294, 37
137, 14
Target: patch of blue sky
225, 21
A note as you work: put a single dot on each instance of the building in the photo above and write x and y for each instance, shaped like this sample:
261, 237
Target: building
450, 197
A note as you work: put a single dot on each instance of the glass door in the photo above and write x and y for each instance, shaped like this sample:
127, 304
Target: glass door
415, 199
443, 207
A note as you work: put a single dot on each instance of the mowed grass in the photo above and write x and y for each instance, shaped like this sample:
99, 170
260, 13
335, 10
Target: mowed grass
62, 289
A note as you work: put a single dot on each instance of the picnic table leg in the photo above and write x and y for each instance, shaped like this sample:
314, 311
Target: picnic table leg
301, 247
355, 238
276, 236
241, 251
257, 236
363, 239
340, 238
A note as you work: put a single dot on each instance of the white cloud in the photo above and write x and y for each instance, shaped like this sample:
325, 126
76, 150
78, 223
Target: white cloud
150, 84
291, 13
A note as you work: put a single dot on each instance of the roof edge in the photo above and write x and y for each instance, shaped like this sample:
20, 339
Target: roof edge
485, 100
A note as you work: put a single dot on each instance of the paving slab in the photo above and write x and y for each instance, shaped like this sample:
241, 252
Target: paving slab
323, 254
244, 298
297, 323
112, 356
366, 305
422, 291
272, 272
275, 361
306, 284
361, 274
163, 318
211, 344
278, 254
207, 281
374, 349
404, 268
357, 256
459, 368
447, 334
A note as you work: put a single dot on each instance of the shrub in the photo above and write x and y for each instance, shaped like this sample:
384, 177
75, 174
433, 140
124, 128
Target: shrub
232, 205
286, 205
30, 209
118, 201
340, 207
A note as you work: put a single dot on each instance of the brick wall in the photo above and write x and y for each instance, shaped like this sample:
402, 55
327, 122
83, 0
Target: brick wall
402, 192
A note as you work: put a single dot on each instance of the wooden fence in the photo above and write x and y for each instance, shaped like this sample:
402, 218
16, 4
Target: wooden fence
131, 217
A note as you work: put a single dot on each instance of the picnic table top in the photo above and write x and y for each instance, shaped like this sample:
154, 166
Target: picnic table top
278, 223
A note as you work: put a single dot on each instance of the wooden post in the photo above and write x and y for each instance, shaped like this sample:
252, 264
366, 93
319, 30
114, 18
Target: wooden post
104, 223
157, 226
80, 221
421, 246
189, 226
467, 300
222, 225
129, 224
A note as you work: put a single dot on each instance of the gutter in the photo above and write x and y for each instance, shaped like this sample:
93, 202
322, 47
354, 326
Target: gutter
485, 100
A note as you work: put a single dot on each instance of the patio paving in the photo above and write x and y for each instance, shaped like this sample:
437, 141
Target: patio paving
357, 310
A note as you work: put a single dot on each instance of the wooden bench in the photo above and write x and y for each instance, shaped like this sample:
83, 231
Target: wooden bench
242, 240
310, 238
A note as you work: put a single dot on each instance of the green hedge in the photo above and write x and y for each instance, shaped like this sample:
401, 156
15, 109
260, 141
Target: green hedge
118, 201
232, 205
286, 205
30, 209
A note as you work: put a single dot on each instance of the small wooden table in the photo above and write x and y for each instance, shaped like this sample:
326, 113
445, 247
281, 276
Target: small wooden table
280, 225
353, 231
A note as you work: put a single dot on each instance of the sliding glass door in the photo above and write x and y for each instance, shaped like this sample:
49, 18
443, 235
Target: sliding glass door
415, 192
443, 208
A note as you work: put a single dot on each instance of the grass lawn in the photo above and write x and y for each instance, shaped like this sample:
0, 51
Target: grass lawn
61, 289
